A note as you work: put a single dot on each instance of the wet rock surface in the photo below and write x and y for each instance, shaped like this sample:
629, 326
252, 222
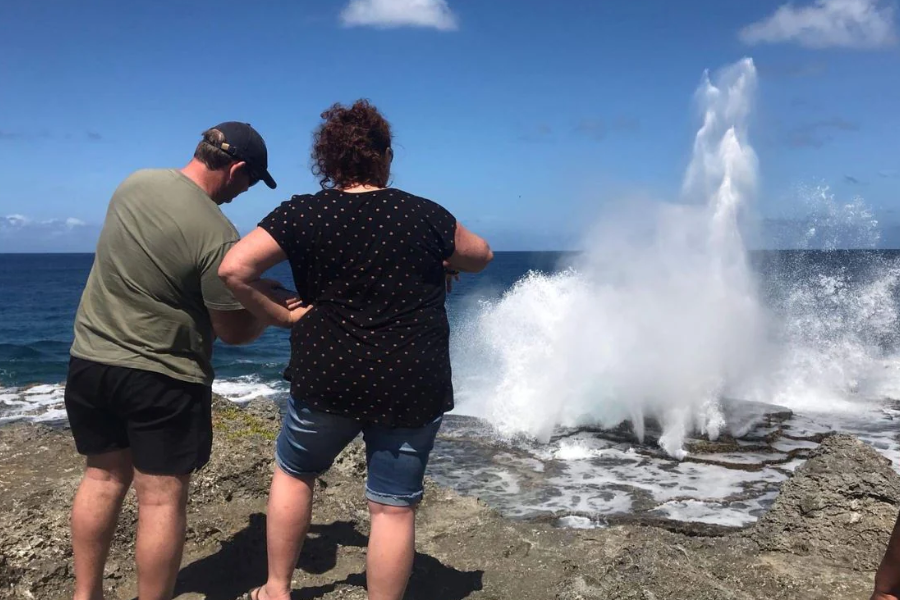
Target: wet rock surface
823, 537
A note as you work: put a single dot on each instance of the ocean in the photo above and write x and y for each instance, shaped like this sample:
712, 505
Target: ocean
41, 294
839, 370
664, 371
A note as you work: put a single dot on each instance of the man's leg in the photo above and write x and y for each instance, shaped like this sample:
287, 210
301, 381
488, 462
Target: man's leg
392, 547
170, 431
887, 579
287, 522
162, 519
95, 513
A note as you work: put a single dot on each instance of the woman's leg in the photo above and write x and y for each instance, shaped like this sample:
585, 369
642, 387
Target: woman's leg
289, 514
397, 459
307, 445
392, 546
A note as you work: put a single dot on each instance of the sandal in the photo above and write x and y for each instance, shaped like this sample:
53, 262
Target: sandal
253, 594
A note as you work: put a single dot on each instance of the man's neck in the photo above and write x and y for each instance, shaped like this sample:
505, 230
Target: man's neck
197, 172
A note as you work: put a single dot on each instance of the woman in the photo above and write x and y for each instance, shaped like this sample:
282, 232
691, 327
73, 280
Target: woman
370, 347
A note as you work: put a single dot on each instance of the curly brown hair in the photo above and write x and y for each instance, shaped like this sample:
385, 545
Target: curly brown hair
352, 147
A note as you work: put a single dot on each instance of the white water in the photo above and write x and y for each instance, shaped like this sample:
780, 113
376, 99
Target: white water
44, 403
247, 387
657, 319
834, 327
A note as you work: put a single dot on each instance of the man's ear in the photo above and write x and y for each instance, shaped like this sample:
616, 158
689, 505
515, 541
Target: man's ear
234, 168
390, 154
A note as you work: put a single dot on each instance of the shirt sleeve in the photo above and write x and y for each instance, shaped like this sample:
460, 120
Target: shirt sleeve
215, 294
292, 226
443, 224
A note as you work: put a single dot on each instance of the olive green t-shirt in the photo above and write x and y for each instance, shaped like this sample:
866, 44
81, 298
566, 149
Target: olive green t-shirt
155, 275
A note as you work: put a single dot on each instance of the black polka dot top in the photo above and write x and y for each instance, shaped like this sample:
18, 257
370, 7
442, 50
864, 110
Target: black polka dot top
375, 346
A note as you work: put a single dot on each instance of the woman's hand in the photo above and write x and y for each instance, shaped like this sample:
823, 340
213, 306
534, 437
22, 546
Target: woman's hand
298, 313
287, 298
450, 275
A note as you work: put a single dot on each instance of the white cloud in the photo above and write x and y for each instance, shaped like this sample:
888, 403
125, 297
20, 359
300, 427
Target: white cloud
860, 24
399, 13
21, 233
15, 221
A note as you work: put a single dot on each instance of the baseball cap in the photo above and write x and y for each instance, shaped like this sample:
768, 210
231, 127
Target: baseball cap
244, 143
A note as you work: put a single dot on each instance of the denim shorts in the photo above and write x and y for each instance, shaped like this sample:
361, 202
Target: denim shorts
311, 439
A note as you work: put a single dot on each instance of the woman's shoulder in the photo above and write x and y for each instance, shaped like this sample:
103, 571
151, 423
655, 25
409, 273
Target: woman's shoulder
308, 197
426, 204
303, 200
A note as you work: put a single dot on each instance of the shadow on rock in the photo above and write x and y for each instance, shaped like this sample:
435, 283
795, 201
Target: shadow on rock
240, 565
430, 580
433, 579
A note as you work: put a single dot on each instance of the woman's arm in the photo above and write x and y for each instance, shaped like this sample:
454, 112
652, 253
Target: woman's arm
472, 253
241, 270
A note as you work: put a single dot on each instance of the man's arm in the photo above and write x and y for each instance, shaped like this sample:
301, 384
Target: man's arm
236, 327
887, 578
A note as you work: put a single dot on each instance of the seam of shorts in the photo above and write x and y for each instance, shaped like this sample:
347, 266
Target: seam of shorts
294, 472
414, 496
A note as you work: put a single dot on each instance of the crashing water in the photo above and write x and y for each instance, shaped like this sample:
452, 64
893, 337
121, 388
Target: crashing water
834, 325
663, 316
646, 326
667, 325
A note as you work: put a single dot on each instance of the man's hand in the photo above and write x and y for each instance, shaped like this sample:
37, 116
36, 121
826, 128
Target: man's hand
883, 596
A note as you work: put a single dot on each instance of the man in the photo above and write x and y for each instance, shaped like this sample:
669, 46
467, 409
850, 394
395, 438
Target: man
139, 386
887, 578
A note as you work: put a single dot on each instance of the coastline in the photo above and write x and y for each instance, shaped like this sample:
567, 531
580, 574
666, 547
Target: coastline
823, 537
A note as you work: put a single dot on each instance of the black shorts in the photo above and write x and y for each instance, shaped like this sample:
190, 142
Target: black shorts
167, 423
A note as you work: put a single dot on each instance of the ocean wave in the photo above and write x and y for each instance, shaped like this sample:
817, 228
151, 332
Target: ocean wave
45, 403
10, 352
39, 403
248, 387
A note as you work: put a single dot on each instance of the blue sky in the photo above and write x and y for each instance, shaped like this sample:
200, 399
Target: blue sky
521, 117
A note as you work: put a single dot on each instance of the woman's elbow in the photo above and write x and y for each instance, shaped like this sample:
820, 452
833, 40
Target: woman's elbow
229, 273
487, 255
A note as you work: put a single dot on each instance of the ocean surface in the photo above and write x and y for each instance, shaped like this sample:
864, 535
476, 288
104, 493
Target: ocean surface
40, 294
841, 372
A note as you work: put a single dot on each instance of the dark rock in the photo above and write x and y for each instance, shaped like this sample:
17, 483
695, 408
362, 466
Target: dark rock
351, 462
840, 505
264, 409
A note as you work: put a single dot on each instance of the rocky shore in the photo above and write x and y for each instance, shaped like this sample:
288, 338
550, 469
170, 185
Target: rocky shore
822, 539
